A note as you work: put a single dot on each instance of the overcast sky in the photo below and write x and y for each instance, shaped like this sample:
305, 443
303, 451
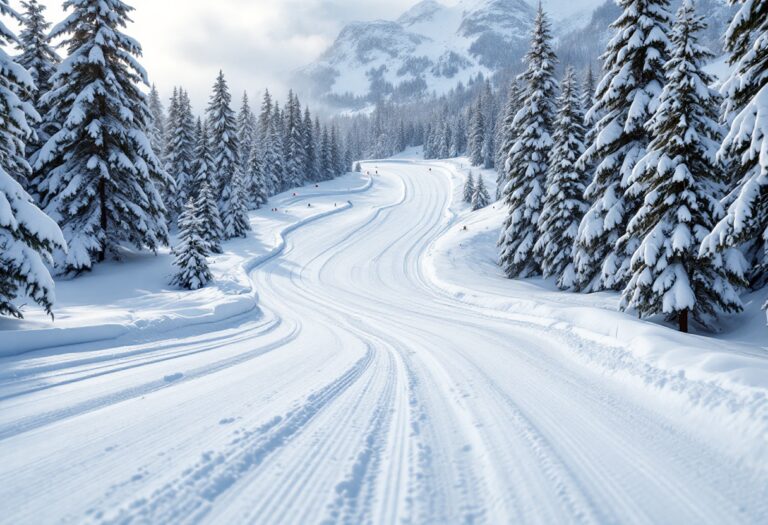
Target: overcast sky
257, 43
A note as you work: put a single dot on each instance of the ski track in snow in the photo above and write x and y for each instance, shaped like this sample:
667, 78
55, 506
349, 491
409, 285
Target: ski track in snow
368, 393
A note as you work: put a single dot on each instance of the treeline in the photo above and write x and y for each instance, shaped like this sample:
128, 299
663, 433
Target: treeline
89, 164
648, 193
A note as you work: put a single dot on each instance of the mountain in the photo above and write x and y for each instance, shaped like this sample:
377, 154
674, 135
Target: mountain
431, 48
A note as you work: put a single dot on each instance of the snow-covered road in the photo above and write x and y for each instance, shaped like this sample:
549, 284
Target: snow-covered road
364, 394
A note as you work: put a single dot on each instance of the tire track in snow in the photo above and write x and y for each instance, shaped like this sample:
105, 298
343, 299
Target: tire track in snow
190, 497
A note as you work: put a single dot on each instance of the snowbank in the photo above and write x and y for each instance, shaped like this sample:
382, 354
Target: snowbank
462, 265
132, 295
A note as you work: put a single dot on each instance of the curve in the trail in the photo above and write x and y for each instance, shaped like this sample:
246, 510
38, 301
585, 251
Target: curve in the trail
366, 394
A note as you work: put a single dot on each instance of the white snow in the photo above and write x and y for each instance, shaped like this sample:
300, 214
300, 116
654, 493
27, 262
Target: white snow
390, 374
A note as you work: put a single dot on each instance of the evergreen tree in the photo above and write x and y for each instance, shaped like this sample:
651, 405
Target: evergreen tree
627, 97
746, 145
508, 136
480, 197
27, 235
326, 159
528, 160
213, 229
477, 134
682, 177
489, 146
192, 250
224, 149
40, 60
337, 161
180, 154
103, 180
265, 117
294, 144
235, 215
564, 204
258, 190
246, 133
310, 148
469, 188
272, 164
157, 124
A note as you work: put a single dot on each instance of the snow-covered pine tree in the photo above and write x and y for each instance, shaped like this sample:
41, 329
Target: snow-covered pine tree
317, 134
337, 160
627, 96
157, 124
745, 224
469, 188
257, 189
213, 229
180, 154
27, 235
265, 116
246, 134
508, 135
103, 180
480, 197
191, 251
235, 215
490, 110
272, 160
528, 160
278, 149
564, 204
295, 160
310, 148
326, 158
223, 130
40, 60
681, 178
477, 133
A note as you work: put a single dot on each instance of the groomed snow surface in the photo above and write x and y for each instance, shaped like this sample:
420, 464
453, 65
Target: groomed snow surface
363, 360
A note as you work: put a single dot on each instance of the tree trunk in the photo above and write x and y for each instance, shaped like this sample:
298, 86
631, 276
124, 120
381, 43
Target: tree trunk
103, 219
683, 319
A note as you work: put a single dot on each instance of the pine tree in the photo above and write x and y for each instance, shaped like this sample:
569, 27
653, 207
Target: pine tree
682, 177
528, 160
508, 136
272, 163
294, 144
489, 146
157, 124
326, 158
235, 214
469, 188
258, 190
40, 60
477, 134
265, 116
310, 148
27, 235
745, 224
208, 209
103, 180
480, 197
246, 133
192, 251
627, 96
564, 204
180, 154
337, 161
223, 129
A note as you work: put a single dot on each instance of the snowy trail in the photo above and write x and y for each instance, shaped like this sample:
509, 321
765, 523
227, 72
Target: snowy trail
365, 394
